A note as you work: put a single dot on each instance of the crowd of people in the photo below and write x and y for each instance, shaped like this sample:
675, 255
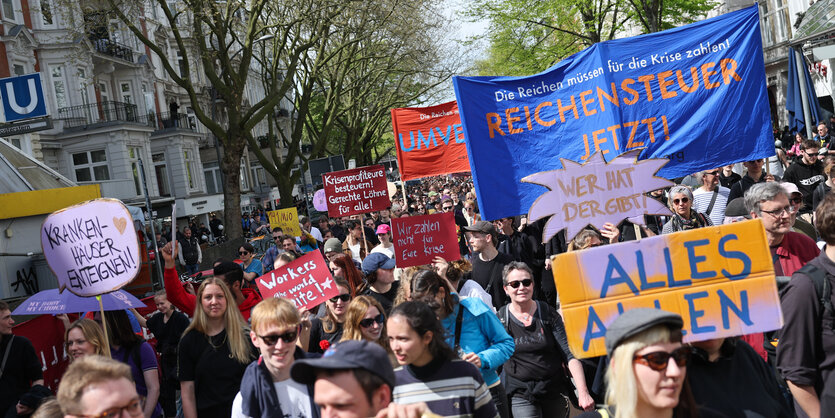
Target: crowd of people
482, 336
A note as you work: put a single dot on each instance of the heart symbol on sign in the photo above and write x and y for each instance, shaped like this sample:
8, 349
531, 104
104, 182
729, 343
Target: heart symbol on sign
120, 223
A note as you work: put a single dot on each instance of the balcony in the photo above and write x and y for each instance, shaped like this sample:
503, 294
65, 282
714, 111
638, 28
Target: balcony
110, 112
113, 49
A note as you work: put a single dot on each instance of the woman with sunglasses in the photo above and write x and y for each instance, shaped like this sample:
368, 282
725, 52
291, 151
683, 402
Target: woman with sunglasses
431, 372
684, 217
365, 320
213, 353
327, 330
250, 264
536, 381
471, 329
647, 367
470, 214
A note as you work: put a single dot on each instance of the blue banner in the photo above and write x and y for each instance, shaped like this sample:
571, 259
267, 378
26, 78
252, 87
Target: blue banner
694, 94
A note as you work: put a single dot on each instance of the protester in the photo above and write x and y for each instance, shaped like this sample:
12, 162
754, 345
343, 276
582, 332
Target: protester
472, 330
21, 369
272, 253
797, 147
342, 266
824, 188
85, 337
30, 402
754, 175
730, 377
213, 353
131, 349
378, 269
727, 177
806, 173
307, 226
647, 369
711, 198
365, 320
354, 245
684, 217
456, 272
332, 248
536, 380
823, 138
190, 254
806, 351
519, 245
284, 259
229, 272
385, 247
487, 261
266, 388
431, 371
167, 325
96, 386
778, 162
328, 330
796, 201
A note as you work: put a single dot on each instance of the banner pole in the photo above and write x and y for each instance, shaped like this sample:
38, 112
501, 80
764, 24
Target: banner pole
362, 228
405, 198
103, 323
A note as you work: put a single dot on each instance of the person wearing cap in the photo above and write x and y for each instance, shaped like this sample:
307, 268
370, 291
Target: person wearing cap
384, 235
349, 382
796, 200
806, 172
647, 367
378, 269
266, 388
735, 211
487, 261
354, 244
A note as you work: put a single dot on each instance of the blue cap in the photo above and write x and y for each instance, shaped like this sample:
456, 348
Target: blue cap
376, 261
347, 355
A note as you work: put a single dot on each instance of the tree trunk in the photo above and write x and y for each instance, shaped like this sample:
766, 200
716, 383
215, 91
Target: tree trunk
285, 190
231, 166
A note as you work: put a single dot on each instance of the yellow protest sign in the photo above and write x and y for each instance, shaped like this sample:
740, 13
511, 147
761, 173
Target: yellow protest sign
719, 279
287, 220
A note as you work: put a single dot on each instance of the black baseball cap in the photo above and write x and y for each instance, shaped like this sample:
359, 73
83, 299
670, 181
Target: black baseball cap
635, 321
346, 355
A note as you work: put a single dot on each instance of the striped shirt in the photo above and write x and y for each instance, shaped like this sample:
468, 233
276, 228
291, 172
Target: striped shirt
701, 201
449, 388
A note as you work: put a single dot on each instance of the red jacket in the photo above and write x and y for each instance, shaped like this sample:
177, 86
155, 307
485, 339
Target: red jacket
795, 251
186, 302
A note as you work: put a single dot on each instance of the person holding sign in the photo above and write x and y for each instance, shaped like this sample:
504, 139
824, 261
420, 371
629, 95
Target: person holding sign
354, 244
684, 217
647, 367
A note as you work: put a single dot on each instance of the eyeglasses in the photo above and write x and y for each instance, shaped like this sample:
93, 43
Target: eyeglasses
659, 360
682, 201
243, 252
288, 337
367, 322
779, 212
133, 409
343, 297
524, 283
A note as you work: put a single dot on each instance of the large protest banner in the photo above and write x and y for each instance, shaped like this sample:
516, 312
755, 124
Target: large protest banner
356, 191
286, 219
429, 141
91, 247
719, 279
46, 333
695, 94
419, 239
306, 281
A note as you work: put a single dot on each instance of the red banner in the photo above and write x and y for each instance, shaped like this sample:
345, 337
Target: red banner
419, 239
47, 336
356, 191
306, 281
429, 140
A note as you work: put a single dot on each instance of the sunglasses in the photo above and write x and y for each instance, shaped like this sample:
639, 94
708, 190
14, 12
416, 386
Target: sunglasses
796, 200
343, 297
243, 252
447, 208
515, 284
367, 322
713, 173
683, 200
659, 360
288, 337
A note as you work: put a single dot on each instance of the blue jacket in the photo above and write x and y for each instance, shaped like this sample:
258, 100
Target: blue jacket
481, 333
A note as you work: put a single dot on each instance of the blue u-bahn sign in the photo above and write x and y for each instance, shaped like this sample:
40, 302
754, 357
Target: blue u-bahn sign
22, 98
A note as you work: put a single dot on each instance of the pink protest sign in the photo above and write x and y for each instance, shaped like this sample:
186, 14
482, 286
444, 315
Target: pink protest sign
91, 247
597, 192
320, 202
306, 281
356, 191
419, 239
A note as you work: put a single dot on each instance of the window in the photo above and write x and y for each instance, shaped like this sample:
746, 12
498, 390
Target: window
19, 69
59, 85
8, 9
214, 184
187, 155
90, 166
133, 155
181, 63
776, 22
46, 13
162, 174
244, 182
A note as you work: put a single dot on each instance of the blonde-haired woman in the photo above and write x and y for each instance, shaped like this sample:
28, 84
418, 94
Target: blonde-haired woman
365, 320
213, 353
647, 367
85, 337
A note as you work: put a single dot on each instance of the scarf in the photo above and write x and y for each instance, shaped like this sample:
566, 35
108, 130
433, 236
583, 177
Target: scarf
259, 398
697, 220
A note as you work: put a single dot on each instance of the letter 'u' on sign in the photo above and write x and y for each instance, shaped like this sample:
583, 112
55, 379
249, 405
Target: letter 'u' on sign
91, 247
719, 279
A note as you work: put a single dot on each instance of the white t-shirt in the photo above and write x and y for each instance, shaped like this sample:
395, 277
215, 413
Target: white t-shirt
387, 251
355, 251
316, 234
292, 396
